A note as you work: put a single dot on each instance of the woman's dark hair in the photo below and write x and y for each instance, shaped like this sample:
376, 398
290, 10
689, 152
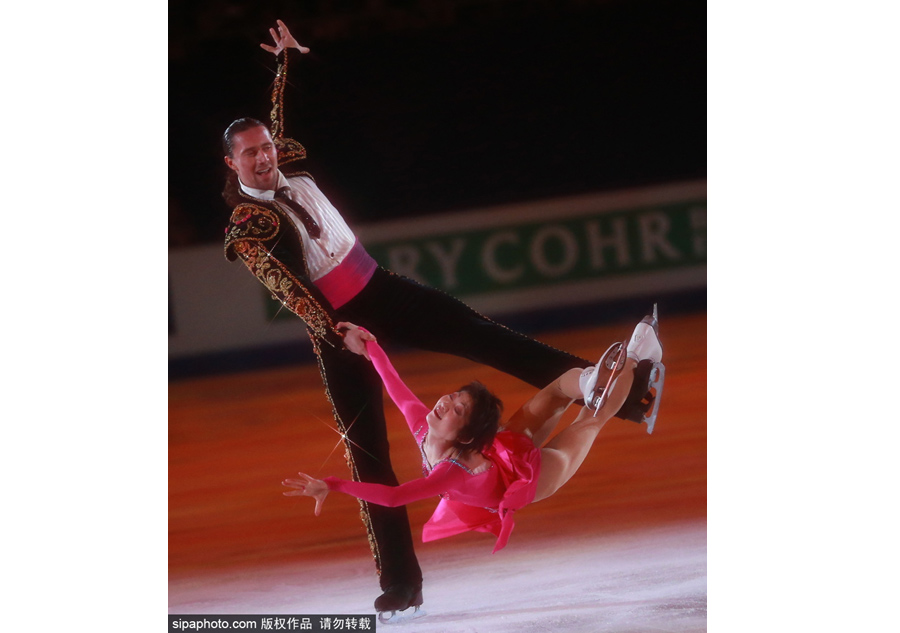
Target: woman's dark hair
238, 126
484, 419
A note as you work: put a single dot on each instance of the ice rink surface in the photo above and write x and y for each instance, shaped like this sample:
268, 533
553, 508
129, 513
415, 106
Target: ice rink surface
622, 547
652, 579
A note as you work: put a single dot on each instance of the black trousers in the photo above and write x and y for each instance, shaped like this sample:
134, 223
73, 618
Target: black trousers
398, 310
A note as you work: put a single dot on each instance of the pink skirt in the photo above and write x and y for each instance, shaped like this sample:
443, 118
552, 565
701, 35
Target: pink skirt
519, 464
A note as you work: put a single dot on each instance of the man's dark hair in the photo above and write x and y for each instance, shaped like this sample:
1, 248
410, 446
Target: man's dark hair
484, 419
238, 126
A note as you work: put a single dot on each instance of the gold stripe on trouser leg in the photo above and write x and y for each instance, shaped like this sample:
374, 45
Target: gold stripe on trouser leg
363, 505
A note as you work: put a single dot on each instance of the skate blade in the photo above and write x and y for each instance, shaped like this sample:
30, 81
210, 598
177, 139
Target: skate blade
399, 617
654, 320
659, 370
620, 362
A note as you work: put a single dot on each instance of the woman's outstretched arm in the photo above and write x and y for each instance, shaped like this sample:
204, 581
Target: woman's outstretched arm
445, 477
360, 341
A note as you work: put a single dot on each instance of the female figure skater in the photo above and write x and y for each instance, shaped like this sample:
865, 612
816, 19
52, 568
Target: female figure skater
481, 472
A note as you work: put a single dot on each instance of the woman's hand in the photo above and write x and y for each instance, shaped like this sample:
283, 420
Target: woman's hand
307, 487
283, 39
355, 338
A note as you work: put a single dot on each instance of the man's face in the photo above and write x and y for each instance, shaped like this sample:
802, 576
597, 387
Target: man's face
254, 158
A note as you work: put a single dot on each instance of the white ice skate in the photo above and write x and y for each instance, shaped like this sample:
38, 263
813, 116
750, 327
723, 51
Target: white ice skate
595, 395
644, 343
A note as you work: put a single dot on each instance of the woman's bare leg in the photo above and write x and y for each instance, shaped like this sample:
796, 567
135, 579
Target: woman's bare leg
539, 416
565, 453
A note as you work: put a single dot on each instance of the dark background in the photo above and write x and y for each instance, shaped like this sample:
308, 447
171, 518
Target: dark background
410, 107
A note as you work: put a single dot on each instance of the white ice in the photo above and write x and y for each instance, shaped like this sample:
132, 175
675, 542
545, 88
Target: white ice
645, 581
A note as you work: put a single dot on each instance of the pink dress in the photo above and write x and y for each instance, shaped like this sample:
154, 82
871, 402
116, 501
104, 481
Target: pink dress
483, 501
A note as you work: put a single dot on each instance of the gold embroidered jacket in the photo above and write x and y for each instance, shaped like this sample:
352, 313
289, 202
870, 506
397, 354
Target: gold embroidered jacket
262, 236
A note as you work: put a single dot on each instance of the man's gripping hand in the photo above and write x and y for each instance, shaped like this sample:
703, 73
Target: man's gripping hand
283, 39
355, 338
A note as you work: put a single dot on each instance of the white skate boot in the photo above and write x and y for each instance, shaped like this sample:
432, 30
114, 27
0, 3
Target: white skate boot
594, 393
644, 343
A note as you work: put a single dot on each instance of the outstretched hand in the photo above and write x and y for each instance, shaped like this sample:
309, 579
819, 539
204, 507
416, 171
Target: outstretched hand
307, 487
283, 39
355, 338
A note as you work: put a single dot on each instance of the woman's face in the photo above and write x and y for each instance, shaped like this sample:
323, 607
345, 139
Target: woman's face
450, 415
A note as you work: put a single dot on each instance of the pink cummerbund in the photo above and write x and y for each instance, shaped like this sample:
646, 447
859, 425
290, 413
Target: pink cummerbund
344, 282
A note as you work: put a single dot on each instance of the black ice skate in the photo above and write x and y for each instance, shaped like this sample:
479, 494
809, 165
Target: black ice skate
394, 604
642, 403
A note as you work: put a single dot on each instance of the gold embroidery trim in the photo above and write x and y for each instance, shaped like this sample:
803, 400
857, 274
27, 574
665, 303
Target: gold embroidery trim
364, 512
251, 227
277, 114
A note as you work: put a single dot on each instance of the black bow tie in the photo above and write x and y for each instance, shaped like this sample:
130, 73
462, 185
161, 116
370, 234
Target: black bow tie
312, 227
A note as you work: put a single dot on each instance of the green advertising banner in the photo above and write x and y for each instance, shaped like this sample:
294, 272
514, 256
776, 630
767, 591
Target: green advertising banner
536, 254
587, 244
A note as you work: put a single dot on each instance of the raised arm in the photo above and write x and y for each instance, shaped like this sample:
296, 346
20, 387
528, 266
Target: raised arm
283, 39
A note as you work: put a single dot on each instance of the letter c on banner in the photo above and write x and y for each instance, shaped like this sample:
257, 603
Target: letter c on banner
489, 260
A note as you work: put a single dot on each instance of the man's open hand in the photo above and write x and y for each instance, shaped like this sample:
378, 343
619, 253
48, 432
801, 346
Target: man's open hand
283, 39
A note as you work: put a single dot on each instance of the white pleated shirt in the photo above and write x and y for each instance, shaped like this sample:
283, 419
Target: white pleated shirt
325, 253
